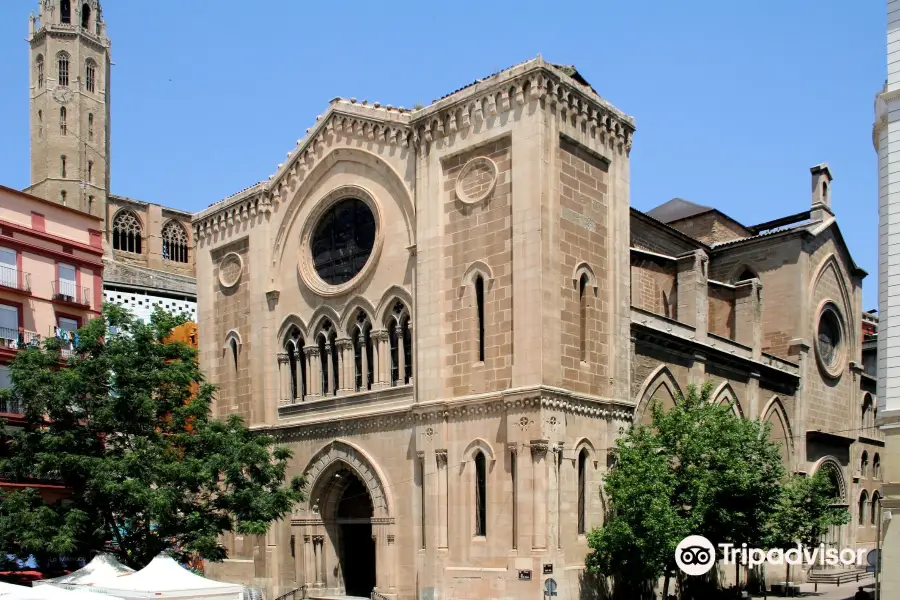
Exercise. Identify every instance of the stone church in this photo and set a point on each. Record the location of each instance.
(148, 258)
(450, 313)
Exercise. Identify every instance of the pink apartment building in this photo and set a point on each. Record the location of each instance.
(51, 272)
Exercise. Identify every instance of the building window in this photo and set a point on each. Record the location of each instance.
(479, 316)
(297, 364)
(62, 120)
(62, 167)
(127, 232)
(63, 69)
(876, 505)
(90, 174)
(9, 325)
(828, 344)
(582, 487)
(175, 242)
(480, 494)
(864, 464)
(361, 338)
(67, 325)
(90, 75)
(65, 12)
(9, 268)
(234, 353)
(85, 16)
(90, 126)
(40, 124)
(39, 63)
(329, 359)
(343, 240)
(62, 197)
(406, 335)
(876, 466)
(583, 308)
(868, 413)
(825, 192)
(66, 287)
(5, 378)
(863, 506)
(513, 456)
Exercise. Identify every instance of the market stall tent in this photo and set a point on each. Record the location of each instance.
(164, 578)
(51, 592)
(102, 568)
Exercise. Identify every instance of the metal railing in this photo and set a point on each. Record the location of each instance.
(378, 596)
(11, 406)
(295, 594)
(15, 279)
(67, 291)
(15, 339)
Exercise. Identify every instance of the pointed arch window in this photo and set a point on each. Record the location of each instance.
(863, 507)
(294, 347)
(175, 242)
(63, 69)
(480, 494)
(90, 126)
(582, 489)
(90, 75)
(65, 12)
(62, 166)
(876, 466)
(40, 124)
(479, 315)
(127, 232)
(868, 413)
(400, 345)
(329, 359)
(583, 315)
(234, 352)
(62, 120)
(90, 171)
(362, 353)
(39, 65)
(85, 16)
(876, 505)
(864, 464)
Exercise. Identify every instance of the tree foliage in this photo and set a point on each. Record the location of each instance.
(126, 426)
(696, 470)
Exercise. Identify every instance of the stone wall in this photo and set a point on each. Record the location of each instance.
(711, 228)
(654, 284)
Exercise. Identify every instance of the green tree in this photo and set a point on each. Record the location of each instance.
(804, 513)
(695, 470)
(125, 424)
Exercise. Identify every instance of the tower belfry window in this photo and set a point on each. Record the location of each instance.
(85, 15)
(90, 126)
(62, 167)
(90, 75)
(127, 232)
(175, 242)
(90, 173)
(40, 124)
(62, 120)
(65, 12)
(40, 71)
(63, 69)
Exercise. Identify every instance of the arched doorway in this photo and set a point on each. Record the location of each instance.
(355, 545)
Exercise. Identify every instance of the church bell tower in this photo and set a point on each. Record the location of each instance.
(69, 104)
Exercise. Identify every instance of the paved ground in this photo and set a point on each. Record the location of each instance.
(832, 592)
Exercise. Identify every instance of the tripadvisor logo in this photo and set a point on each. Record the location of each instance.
(695, 555)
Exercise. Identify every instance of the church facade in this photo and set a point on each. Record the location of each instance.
(450, 313)
(148, 258)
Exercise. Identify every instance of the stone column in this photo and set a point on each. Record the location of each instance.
(361, 342)
(319, 543)
(748, 315)
(514, 503)
(347, 370)
(308, 561)
(313, 373)
(328, 388)
(401, 358)
(693, 292)
(441, 460)
(284, 376)
(381, 349)
(539, 450)
(412, 353)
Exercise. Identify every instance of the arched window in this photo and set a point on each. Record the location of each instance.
(864, 464)
(127, 232)
(62, 197)
(234, 353)
(90, 174)
(480, 494)
(85, 16)
(362, 353)
(394, 342)
(406, 332)
(863, 507)
(90, 126)
(62, 120)
(39, 65)
(175, 242)
(582, 488)
(65, 12)
(400, 340)
(62, 166)
(479, 316)
(868, 419)
(876, 505)
(63, 69)
(876, 466)
(746, 274)
(90, 72)
(583, 310)
(40, 124)
(329, 359)
(297, 365)
(824, 191)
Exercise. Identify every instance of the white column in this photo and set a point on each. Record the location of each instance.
(361, 342)
(314, 373)
(401, 358)
(284, 376)
(412, 354)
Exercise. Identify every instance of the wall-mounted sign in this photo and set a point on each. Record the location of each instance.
(548, 569)
(525, 575)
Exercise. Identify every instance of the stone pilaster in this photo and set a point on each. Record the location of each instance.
(442, 475)
(539, 449)
(347, 366)
(313, 373)
(284, 378)
(748, 327)
(693, 292)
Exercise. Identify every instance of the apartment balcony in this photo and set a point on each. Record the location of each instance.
(66, 292)
(13, 340)
(15, 280)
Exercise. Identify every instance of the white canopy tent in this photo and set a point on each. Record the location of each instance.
(163, 579)
(101, 568)
(10, 588)
(50, 592)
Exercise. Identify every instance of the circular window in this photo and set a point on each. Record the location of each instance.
(829, 340)
(340, 241)
(230, 270)
(343, 241)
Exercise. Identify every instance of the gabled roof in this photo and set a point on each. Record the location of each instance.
(677, 209)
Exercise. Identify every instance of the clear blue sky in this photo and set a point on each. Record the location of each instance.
(733, 101)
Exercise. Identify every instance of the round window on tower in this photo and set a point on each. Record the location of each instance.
(340, 241)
